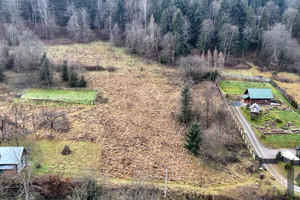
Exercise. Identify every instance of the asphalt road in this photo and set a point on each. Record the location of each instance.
(260, 149)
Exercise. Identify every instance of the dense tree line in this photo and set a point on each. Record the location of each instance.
(167, 29)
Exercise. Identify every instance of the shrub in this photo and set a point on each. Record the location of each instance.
(73, 79)
(278, 155)
(294, 104)
(64, 71)
(196, 75)
(161, 59)
(287, 166)
(82, 82)
(2, 75)
(263, 137)
(88, 189)
(274, 73)
(253, 118)
(278, 120)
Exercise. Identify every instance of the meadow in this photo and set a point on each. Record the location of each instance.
(69, 96)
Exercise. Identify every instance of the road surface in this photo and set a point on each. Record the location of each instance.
(261, 150)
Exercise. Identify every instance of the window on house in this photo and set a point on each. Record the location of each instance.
(264, 101)
(1, 171)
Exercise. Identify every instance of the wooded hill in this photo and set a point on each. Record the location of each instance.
(167, 29)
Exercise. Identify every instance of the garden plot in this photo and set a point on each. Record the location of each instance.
(69, 96)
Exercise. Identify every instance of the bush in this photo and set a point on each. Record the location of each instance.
(196, 75)
(287, 166)
(2, 75)
(278, 155)
(253, 118)
(294, 104)
(64, 71)
(82, 82)
(73, 79)
(88, 189)
(278, 120)
(263, 136)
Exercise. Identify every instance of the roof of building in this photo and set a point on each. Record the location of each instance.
(289, 155)
(245, 96)
(10, 155)
(254, 108)
(259, 93)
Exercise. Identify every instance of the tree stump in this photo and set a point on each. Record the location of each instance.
(66, 151)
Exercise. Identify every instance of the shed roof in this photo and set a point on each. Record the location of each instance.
(255, 108)
(260, 93)
(289, 155)
(10, 155)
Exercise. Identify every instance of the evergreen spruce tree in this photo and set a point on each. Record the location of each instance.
(193, 138)
(164, 23)
(118, 16)
(2, 75)
(186, 112)
(178, 32)
(73, 82)
(264, 22)
(45, 71)
(64, 71)
(82, 82)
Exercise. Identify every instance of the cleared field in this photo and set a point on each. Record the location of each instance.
(69, 96)
(239, 87)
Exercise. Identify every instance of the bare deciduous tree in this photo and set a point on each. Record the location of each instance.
(54, 120)
(115, 36)
(14, 9)
(168, 48)
(274, 42)
(289, 18)
(47, 18)
(228, 36)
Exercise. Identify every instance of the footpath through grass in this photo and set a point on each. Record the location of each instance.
(69, 96)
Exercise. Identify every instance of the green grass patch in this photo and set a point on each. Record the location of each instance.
(276, 141)
(69, 96)
(239, 87)
(84, 158)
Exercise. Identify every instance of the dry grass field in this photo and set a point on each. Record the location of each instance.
(136, 131)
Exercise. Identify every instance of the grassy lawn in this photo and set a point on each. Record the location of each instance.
(85, 156)
(239, 87)
(276, 141)
(70, 96)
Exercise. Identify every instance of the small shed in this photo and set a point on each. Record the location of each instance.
(12, 160)
(289, 155)
(254, 109)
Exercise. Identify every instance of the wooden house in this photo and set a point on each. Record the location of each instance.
(12, 160)
(261, 96)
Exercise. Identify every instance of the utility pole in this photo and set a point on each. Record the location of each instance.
(166, 182)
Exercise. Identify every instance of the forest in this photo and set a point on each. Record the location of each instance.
(159, 29)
